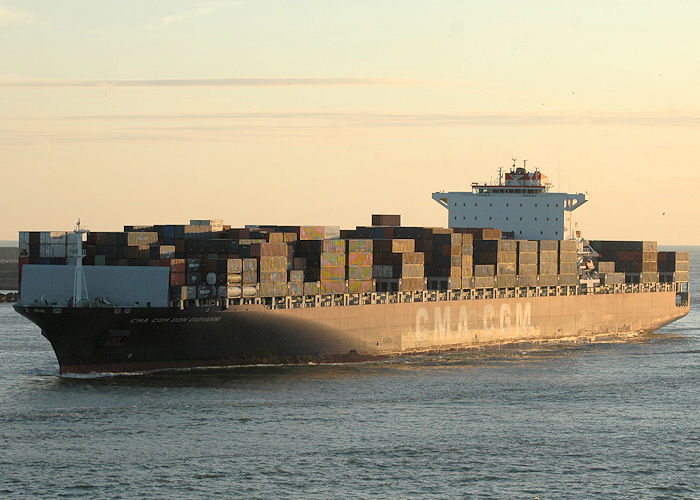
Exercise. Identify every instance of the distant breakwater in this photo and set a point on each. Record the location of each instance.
(9, 297)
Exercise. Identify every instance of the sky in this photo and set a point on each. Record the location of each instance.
(324, 112)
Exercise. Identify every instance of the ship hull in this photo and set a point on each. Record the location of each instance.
(134, 340)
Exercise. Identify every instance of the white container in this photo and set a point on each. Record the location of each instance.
(331, 232)
(52, 237)
(52, 250)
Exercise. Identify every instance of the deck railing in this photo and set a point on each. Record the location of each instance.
(375, 298)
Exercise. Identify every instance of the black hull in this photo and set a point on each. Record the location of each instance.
(97, 340)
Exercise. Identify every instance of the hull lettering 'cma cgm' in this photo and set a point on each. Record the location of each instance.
(509, 268)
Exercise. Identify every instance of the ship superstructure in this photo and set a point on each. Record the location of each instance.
(520, 202)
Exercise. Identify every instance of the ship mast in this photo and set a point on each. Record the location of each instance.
(79, 282)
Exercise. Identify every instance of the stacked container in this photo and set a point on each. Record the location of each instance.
(637, 259)
(527, 263)
(332, 267)
(548, 263)
(412, 271)
(272, 268)
(674, 266)
(484, 276)
(295, 286)
(386, 220)
(360, 264)
(502, 254)
(208, 260)
(568, 262)
(608, 276)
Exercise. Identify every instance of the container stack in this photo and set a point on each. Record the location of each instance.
(308, 233)
(503, 255)
(384, 272)
(295, 286)
(178, 272)
(211, 225)
(481, 233)
(230, 278)
(208, 260)
(568, 262)
(674, 266)
(272, 268)
(249, 272)
(412, 271)
(332, 268)
(113, 249)
(359, 267)
(307, 258)
(484, 276)
(386, 220)
(438, 246)
(193, 274)
(52, 245)
(548, 263)
(162, 252)
(370, 232)
(407, 264)
(637, 259)
(43, 247)
(466, 243)
(527, 263)
(608, 276)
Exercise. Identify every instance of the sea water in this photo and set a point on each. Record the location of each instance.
(581, 421)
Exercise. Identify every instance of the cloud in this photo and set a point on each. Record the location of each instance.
(9, 16)
(216, 127)
(202, 11)
(294, 119)
(212, 82)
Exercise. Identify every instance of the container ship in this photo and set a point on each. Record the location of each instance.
(509, 268)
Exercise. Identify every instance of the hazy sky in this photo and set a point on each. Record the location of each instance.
(323, 112)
